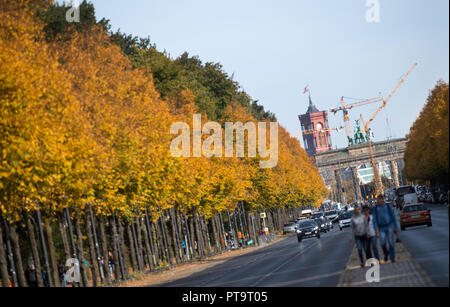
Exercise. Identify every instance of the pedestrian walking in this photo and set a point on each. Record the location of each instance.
(372, 239)
(111, 263)
(359, 232)
(30, 275)
(62, 274)
(385, 224)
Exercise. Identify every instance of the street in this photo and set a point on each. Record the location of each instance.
(429, 245)
(287, 263)
(320, 263)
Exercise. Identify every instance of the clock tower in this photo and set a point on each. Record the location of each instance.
(315, 130)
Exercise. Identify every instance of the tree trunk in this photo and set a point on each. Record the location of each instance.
(134, 264)
(123, 249)
(176, 240)
(156, 249)
(189, 242)
(80, 251)
(149, 251)
(12, 263)
(222, 229)
(149, 235)
(215, 234)
(3, 261)
(105, 251)
(90, 236)
(194, 251)
(141, 253)
(244, 218)
(182, 235)
(18, 257)
(206, 234)
(199, 234)
(163, 232)
(96, 244)
(62, 230)
(118, 266)
(157, 236)
(51, 252)
(136, 247)
(170, 242)
(34, 251)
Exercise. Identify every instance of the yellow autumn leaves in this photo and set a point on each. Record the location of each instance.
(426, 157)
(79, 125)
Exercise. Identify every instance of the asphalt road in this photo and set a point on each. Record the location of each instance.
(429, 245)
(311, 263)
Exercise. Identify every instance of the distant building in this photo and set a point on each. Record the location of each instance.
(315, 130)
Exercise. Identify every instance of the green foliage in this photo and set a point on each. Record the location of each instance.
(212, 87)
(56, 25)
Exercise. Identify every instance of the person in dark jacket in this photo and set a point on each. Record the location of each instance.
(385, 224)
(30, 276)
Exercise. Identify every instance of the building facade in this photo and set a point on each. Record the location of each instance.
(315, 130)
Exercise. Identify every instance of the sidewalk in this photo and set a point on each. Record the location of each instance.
(405, 272)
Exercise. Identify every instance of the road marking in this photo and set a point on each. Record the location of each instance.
(283, 264)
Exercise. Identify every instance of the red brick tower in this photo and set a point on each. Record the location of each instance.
(315, 130)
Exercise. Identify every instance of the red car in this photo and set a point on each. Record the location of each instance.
(414, 215)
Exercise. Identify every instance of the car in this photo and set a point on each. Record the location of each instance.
(414, 215)
(332, 215)
(289, 227)
(345, 219)
(322, 223)
(307, 229)
(317, 215)
(405, 195)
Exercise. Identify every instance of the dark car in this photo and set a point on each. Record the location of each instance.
(307, 229)
(414, 215)
(322, 223)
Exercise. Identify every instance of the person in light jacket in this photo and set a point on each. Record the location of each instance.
(359, 229)
(372, 242)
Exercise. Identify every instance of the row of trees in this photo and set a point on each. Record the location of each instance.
(85, 119)
(112, 249)
(427, 155)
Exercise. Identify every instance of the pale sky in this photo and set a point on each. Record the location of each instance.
(276, 48)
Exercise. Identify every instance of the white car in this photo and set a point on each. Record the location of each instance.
(332, 215)
(345, 219)
(289, 228)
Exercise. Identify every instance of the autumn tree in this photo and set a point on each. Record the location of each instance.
(426, 156)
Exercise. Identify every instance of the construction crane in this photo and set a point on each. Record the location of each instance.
(377, 181)
(385, 101)
(322, 130)
(346, 107)
(376, 175)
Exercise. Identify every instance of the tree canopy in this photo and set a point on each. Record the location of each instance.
(85, 117)
(426, 157)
